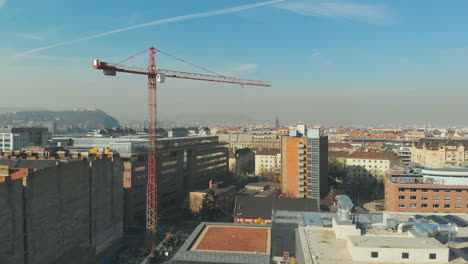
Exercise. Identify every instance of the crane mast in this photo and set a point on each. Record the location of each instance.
(154, 75)
(152, 185)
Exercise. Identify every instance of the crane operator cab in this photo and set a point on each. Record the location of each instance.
(160, 78)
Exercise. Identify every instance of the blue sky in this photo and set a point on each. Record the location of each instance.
(330, 62)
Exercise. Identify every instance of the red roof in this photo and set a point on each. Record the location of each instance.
(374, 155)
(339, 145)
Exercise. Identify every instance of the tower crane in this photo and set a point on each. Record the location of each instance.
(155, 76)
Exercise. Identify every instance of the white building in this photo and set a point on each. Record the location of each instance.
(267, 160)
(13, 141)
(375, 238)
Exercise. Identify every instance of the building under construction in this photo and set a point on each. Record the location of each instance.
(59, 207)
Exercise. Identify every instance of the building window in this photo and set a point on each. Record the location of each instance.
(447, 198)
(447, 190)
(459, 191)
(458, 206)
(458, 198)
(412, 197)
(424, 205)
(435, 206)
(401, 197)
(413, 205)
(424, 198)
(435, 198)
(401, 189)
(142, 168)
(413, 189)
(424, 190)
(374, 254)
(401, 205)
(435, 190)
(446, 205)
(405, 255)
(432, 256)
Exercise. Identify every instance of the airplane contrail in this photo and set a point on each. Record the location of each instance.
(152, 23)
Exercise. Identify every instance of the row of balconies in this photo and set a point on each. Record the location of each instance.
(301, 151)
(301, 170)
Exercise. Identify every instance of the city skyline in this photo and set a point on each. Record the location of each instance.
(399, 65)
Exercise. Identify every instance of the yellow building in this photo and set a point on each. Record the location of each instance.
(440, 152)
(225, 197)
(240, 141)
(267, 161)
(376, 163)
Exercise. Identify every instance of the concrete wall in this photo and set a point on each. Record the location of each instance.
(69, 213)
(416, 255)
(106, 203)
(56, 213)
(343, 231)
(11, 224)
(303, 253)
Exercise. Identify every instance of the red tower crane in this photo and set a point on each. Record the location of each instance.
(154, 76)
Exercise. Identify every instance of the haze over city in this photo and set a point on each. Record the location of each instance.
(329, 62)
(233, 131)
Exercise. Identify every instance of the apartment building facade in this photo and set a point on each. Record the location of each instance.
(375, 163)
(304, 164)
(252, 141)
(440, 152)
(267, 161)
(424, 189)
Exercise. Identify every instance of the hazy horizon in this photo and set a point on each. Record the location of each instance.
(350, 63)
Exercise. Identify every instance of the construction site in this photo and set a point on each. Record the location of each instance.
(68, 205)
(157, 75)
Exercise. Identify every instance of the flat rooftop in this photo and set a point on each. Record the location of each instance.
(322, 243)
(395, 242)
(239, 239)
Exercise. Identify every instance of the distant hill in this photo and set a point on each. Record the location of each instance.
(85, 119)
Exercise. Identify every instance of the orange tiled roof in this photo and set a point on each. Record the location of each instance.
(374, 155)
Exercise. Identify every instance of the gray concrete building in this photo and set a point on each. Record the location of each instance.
(16, 138)
(60, 208)
(10, 140)
(184, 164)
